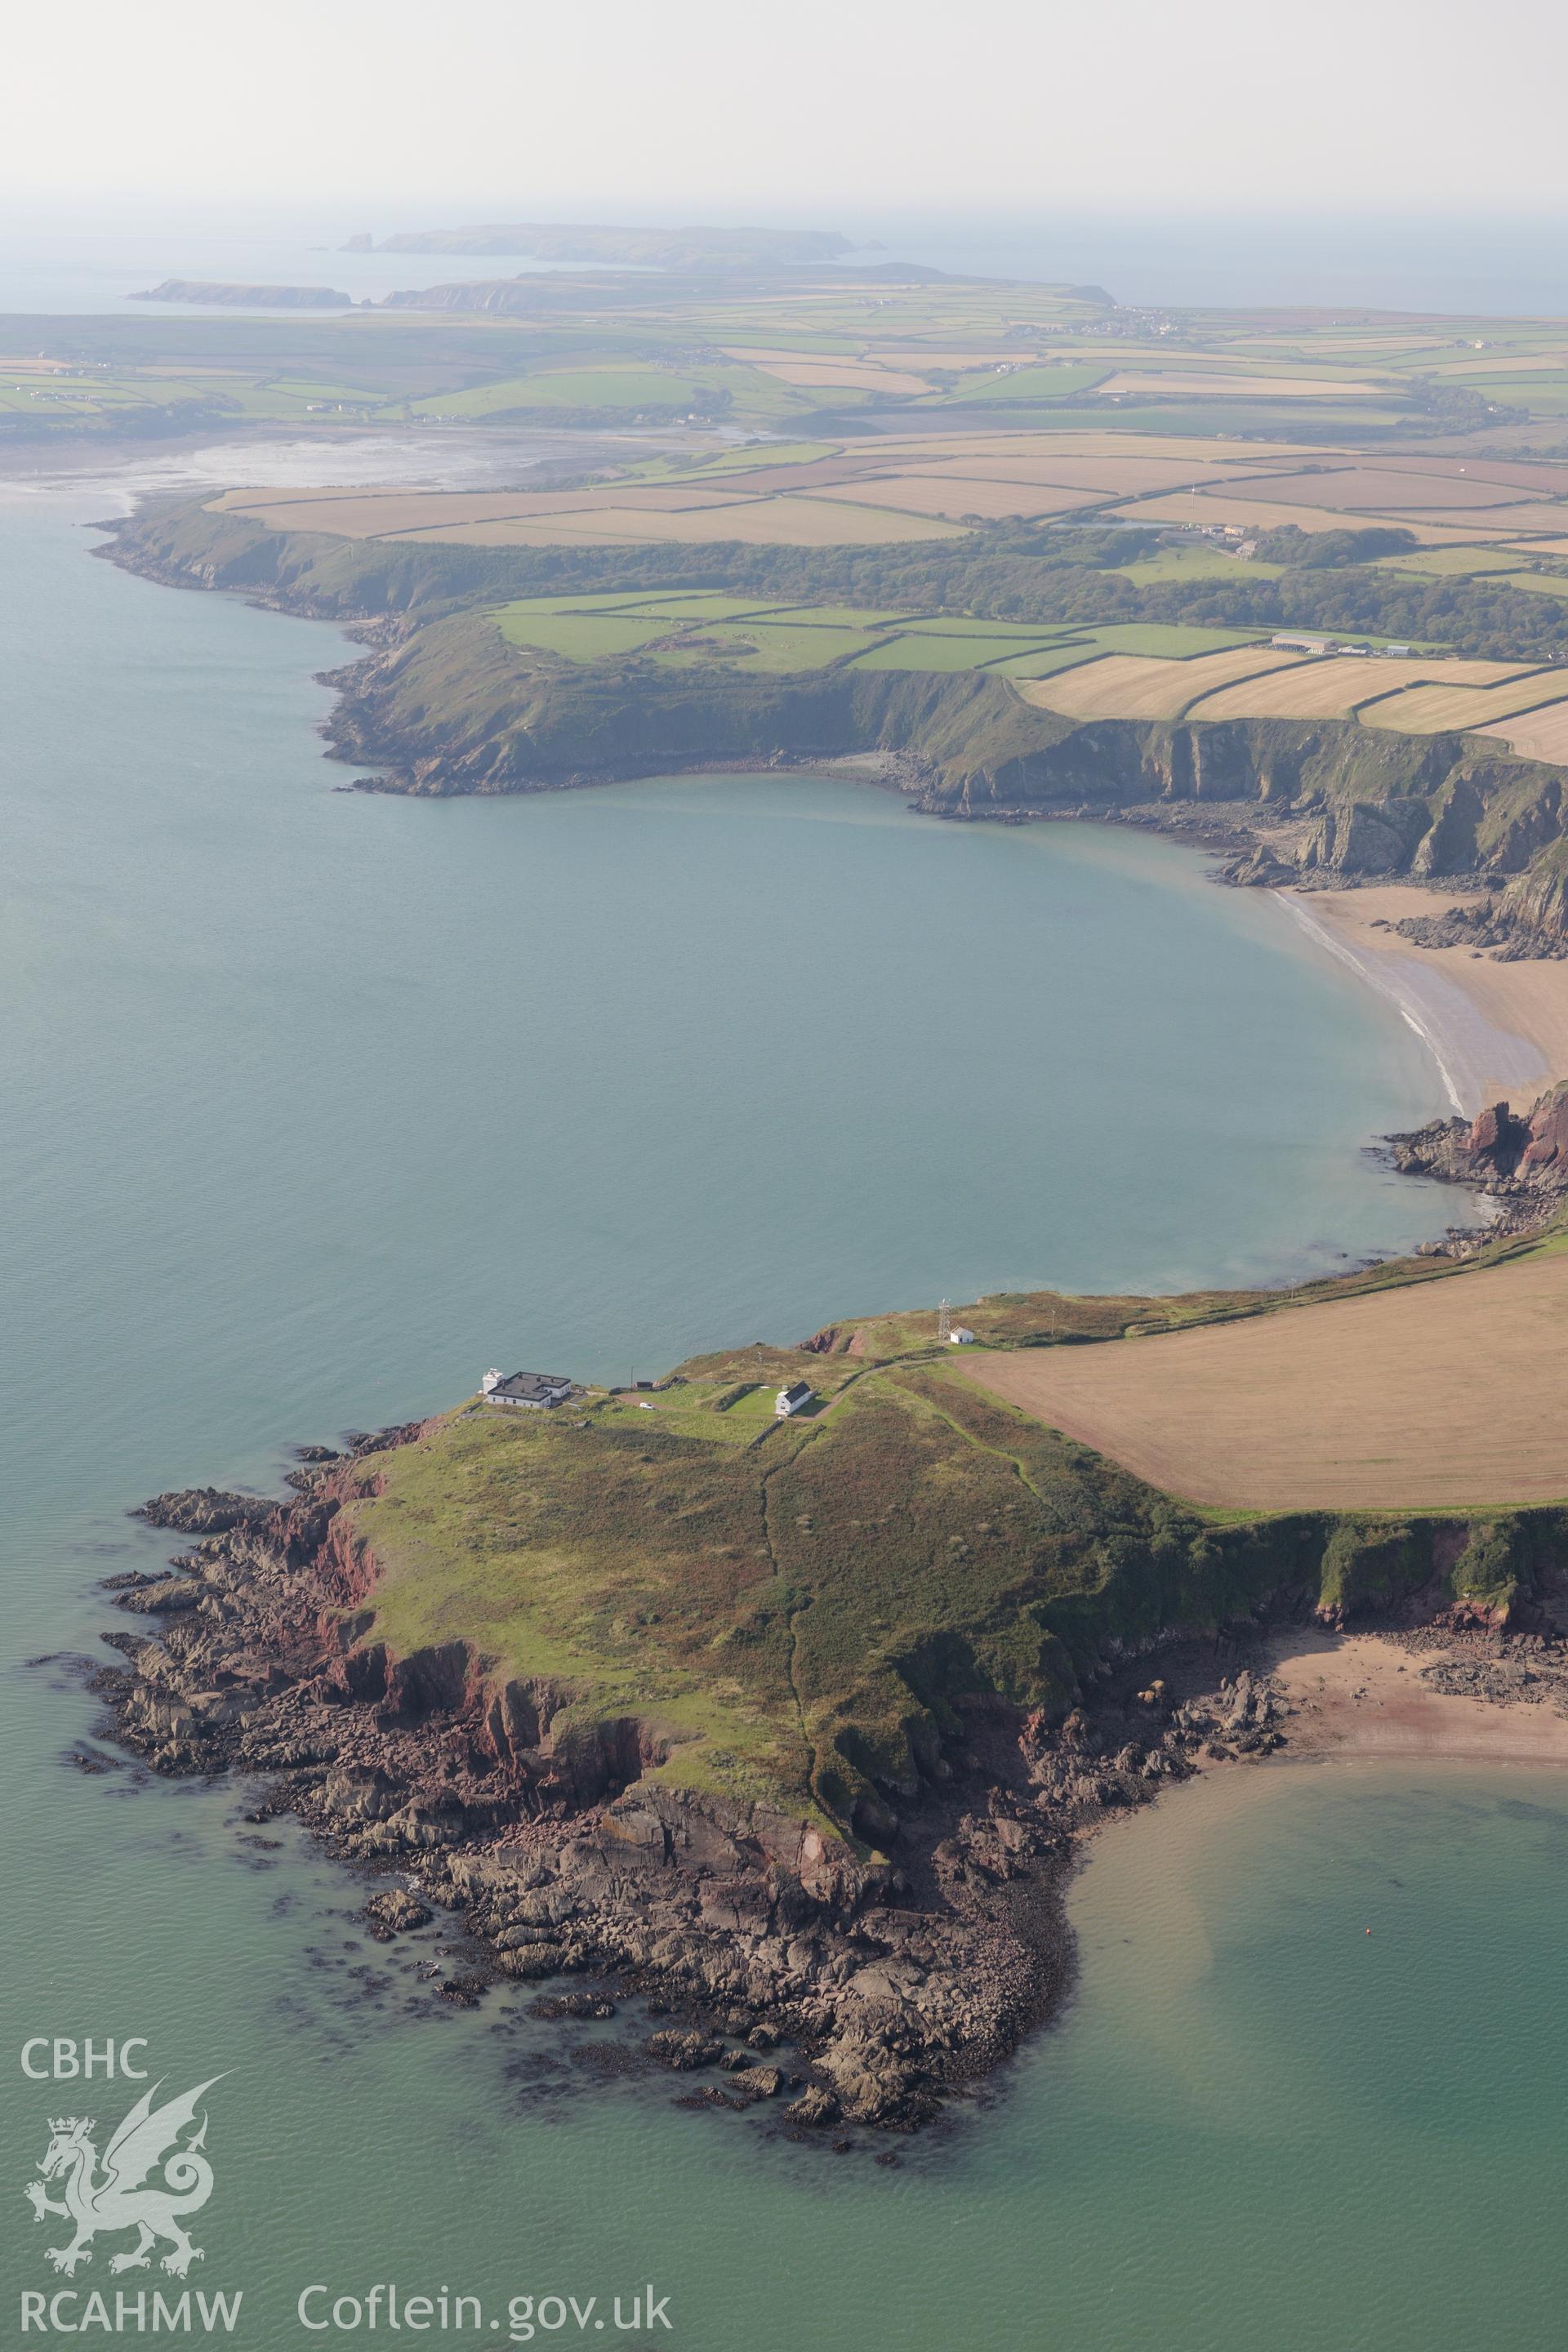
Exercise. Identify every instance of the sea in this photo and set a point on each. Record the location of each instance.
(316, 1102)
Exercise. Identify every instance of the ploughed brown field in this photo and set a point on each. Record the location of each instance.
(1450, 1393)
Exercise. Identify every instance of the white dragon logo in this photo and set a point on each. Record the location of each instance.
(147, 2141)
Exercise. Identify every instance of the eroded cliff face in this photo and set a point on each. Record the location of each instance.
(1533, 907)
(448, 706)
(1331, 802)
(456, 709)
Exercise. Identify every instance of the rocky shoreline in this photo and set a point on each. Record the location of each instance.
(884, 1983)
(1518, 1162)
(830, 1986)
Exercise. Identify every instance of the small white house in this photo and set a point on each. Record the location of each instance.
(536, 1391)
(794, 1399)
(961, 1336)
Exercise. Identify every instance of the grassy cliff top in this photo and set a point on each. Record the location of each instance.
(808, 1614)
(796, 1608)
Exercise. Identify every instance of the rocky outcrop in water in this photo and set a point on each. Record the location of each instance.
(205, 1511)
(1522, 1160)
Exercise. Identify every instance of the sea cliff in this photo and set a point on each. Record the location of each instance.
(445, 704)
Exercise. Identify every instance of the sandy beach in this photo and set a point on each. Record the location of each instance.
(1497, 1029)
(1362, 1695)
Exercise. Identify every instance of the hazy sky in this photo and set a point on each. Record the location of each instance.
(819, 110)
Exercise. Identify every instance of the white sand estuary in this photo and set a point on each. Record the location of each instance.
(1496, 1030)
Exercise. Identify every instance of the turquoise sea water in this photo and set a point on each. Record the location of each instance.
(314, 1105)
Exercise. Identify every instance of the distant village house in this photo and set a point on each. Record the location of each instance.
(961, 1336)
(794, 1398)
(534, 1389)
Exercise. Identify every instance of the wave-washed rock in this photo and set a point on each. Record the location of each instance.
(1520, 1159)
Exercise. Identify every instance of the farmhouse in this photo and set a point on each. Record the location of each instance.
(961, 1336)
(535, 1390)
(793, 1400)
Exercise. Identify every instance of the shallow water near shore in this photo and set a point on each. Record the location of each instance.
(315, 1104)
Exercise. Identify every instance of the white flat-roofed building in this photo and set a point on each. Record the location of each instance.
(536, 1391)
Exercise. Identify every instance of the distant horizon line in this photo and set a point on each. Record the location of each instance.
(417, 212)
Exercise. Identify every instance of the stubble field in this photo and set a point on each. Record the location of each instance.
(1447, 1393)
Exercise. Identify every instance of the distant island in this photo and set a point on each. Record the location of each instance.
(237, 297)
(643, 248)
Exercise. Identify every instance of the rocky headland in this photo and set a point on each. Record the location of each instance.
(826, 1709)
(892, 1978)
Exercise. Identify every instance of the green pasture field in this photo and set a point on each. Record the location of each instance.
(744, 391)
(1457, 562)
(854, 616)
(1067, 653)
(763, 646)
(1202, 561)
(729, 461)
(783, 640)
(581, 636)
(1032, 383)
(1169, 642)
(959, 625)
(1540, 584)
(630, 388)
(933, 651)
(710, 1410)
(302, 388)
(707, 605)
(1173, 641)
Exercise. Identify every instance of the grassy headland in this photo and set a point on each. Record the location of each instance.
(814, 1614)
